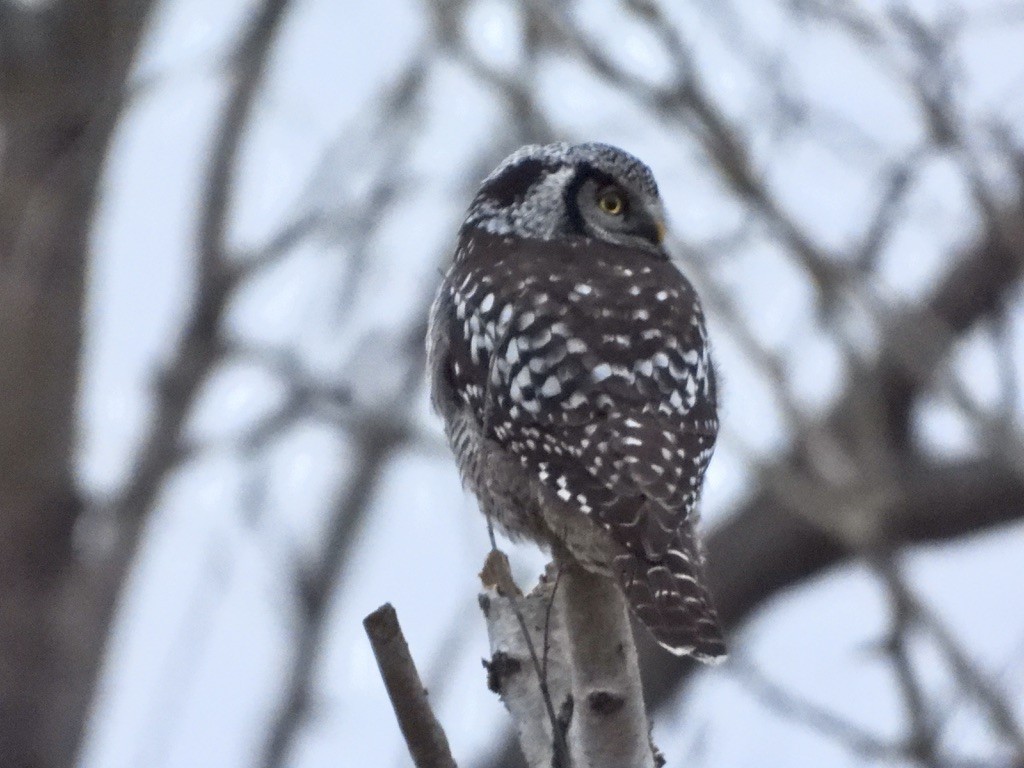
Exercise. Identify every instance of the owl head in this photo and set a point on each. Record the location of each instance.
(571, 191)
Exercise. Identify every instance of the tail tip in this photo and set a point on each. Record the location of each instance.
(711, 652)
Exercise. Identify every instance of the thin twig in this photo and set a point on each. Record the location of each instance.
(547, 623)
(922, 741)
(973, 679)
(786, 704)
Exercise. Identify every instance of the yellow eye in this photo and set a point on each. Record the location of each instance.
(611, 202)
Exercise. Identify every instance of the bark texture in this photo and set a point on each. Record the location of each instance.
(63, 72)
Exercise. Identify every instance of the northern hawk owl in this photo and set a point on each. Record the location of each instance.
(569, 360)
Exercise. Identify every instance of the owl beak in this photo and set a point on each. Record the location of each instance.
(660, 229)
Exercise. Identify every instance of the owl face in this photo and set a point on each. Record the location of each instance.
(565, 192)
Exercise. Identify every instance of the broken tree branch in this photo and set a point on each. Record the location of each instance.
(565, 665)
(512, 672)
(423, 734)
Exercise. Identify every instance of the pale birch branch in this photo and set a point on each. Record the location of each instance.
(512, 673)
(609, 728)
(578, 641)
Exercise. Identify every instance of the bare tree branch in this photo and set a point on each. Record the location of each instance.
(858, 741)
(564, 662)
(375, 443)
(998, 710)
(201, 344)
(922, 739)
(423, 733)
(57, 119)
(609, 726)
(531, 672)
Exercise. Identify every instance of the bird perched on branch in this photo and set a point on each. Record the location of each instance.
(569, 360)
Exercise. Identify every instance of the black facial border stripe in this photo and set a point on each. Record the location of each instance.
(512, 184)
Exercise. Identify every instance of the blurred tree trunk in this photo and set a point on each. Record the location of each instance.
(63, 72)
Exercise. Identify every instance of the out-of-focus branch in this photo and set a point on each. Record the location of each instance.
(886, 215)
(973, 680)
(922, 739)
(860, 742)
(767, 546)
(379, 149)
(63, 73)
(374, 446)
(423, 734)
(517, 88)
(916, 342)
(201, 345)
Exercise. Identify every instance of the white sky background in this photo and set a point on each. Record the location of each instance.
(205, 635)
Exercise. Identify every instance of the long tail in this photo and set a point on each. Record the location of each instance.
(670, 596)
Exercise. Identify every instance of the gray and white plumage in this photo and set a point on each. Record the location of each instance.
(569, 360)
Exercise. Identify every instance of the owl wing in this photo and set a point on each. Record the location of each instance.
(653, 461)
(591, 369)
(602, 386)
(656, 476)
